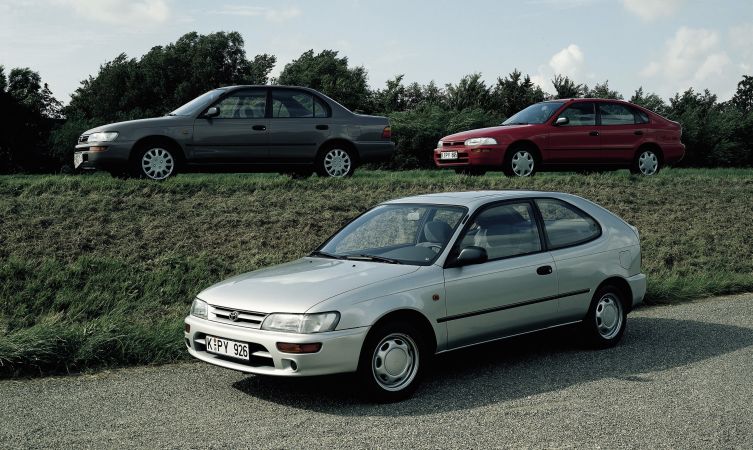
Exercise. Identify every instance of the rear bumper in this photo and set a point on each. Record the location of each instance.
(637, 285)
(492, 155)
(340, 350)
(376, 151)
(673, 153)
(106, 155)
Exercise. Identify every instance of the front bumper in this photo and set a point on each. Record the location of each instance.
(492, 155)
(340, 350)
(637, 285)
(104, 155)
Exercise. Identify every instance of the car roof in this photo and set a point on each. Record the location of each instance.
(472, 199)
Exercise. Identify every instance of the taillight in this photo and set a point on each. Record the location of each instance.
(387, 132)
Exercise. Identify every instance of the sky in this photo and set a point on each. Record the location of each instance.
(665, 46)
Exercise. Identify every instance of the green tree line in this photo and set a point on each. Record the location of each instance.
(39, 133)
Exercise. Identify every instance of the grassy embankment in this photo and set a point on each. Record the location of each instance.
(99, 272)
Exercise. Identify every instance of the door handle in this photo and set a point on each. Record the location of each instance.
(544, 270)
(259, 127)
(638, 132)
(593, 133)
(322, 127)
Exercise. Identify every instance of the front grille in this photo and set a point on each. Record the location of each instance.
(248, 319)
(452, 143)
(83, 138)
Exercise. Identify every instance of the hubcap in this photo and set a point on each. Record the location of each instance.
(157, 163)
(522, 163)
(648, 163)
(337, 163)
(395, 362)
(609, 316)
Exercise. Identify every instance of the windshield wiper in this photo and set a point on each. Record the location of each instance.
(364, 257)
(324, 254)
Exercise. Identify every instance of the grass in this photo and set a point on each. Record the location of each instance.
(99, 272)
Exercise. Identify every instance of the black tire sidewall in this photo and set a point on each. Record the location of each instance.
(591, 332)
(365, 375)
(322, 172)
(507, 164)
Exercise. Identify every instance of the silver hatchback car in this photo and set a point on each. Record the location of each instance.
(423, 275)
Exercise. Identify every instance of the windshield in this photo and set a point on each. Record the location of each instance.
(398, 234)
(537, 113)
(197, 104)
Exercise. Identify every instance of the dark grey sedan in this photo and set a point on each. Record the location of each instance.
(249, 128)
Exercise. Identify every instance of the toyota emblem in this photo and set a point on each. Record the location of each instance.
(233, 316)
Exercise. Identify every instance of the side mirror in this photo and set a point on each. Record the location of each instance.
(469, 255)
(212, 112)
(562, 121)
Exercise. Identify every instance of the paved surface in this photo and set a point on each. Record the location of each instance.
(682, 377)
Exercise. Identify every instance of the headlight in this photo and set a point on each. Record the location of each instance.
(103, 136)
(439, 144)
(301, 323)
(199, 308)
(473, 142)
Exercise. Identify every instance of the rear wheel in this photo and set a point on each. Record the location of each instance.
(336, 161)
(520, 162)
(606, 318)
(156, 162)
(392, 361)
(646, 162)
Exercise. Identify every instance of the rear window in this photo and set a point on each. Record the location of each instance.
(565, 225)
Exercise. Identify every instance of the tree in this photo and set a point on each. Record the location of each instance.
(515, 92)
(743, 98)
(470, 92)
(392, 98)
(567, 88)
(3, 80)
(649, 101)
(331, 75)
(25, 85)
(602, 91)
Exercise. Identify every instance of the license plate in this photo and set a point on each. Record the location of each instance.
(219, 346)
(448, 155)
(78, 159)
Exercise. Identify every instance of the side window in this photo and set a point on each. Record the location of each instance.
(616, 114)
(320, 108)
(641, 117)
(565, 224)
(292, 104)
(504, 231)
(579, 114)
(243, 105)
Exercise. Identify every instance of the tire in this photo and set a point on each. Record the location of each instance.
(392, 350)
(520, 161)
(471, 171)
(647, 162)
(336, 161)
(156, 161)
(606, 319)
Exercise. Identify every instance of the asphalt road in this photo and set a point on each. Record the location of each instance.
(682, 377)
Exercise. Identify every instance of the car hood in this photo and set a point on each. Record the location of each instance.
(299, 285)
(157, 122)
(483, 132)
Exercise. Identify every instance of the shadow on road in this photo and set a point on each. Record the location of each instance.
(516, 368)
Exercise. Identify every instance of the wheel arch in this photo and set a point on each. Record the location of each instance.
(527, 143)
(624, 287)
(650, 146)
(159, 139)
(349, 145)
(411, 316)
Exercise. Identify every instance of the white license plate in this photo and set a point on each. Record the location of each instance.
(219, 346)
(78, 159)
(448, 155)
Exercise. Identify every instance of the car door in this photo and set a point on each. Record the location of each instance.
(238, 134)
(577, 141)
(299, 124)
(576, 244)
(620, 131)
(514, 291)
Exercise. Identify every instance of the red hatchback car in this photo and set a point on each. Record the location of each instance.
(575, 134)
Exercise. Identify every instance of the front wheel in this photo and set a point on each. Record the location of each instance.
(156, 163)
(336, 162)
(646, 163)
(520, 162)
(606, 318)
(392, 361)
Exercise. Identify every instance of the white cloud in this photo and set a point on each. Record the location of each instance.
(567, 61)
(268, 13)
(120, 11)
(692, 54)
(649, 10)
